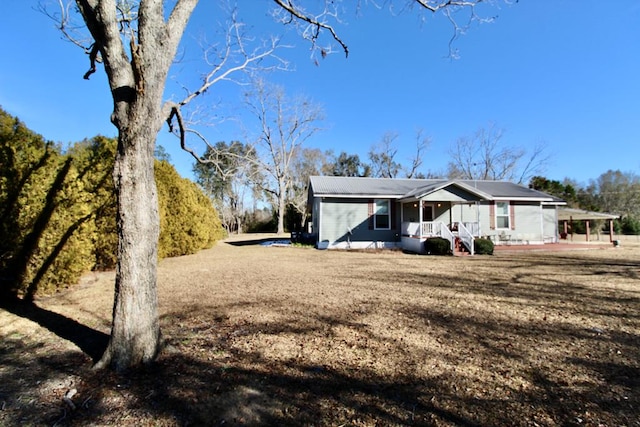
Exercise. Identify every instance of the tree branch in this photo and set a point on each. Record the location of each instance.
(298, 13)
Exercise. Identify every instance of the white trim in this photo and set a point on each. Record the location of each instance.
(359, 245)
(359, 196)
(508, 215)
(375, 214)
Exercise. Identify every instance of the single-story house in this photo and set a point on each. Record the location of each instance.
(351, 212)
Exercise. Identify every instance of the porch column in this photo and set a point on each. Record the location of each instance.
(420, 202)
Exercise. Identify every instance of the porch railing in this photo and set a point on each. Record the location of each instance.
(466, 237)
(447, 234)
(472, 227)
(429, 229)
(423, 229)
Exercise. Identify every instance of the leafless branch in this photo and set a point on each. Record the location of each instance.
(236, 56)
(536, 162)
(484, 156)
(422, 143)
(316, 24)
(63, 17)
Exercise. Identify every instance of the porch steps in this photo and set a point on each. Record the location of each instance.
(459, 248)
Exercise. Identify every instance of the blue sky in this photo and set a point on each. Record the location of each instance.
(555, 71)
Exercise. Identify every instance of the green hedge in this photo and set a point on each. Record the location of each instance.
(188, 220)
(58, 209)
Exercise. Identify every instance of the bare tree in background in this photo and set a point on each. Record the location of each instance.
(484, 156)
(383, 156)
(225, 175)
(306, 162)
(284, 126)
(422, 143)
(136, 42)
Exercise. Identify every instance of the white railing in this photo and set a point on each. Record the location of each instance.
(428, 229)
(410, 228)
(472, 227)
(466, 237)
(445, 233)
(423, 229)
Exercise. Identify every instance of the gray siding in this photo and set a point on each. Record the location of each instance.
(465, 212)
(550, 223)
(528, 218)
(338, 216)
(528, 221)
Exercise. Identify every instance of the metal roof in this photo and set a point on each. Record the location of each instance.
(363, 187)
(415, 188)
(566, 214)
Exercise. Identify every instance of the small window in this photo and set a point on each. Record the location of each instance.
(502, 215)
(382, 218)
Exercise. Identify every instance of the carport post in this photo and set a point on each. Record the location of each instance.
(571, 222)
(611, 231)
(587, 222)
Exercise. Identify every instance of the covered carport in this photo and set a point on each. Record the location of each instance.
(569, 215)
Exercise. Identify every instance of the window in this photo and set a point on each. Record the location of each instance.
(502, 215)
(382, 220)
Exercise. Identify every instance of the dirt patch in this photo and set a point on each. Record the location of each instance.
(261, 335)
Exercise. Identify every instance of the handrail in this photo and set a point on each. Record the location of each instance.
(466, 237)
(472, 227)
(444, 232)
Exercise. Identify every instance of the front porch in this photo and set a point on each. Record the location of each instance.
(458, 234)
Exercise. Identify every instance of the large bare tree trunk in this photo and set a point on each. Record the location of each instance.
(282, 203)
(137, 76)
(135, 333)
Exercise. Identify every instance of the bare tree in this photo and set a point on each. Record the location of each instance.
(136, 42)
(305, 163)
(225, 175)
(422, 143)
(285, 124)
(383, 156)
(484, 156)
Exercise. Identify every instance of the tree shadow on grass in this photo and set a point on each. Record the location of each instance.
(497, 370)
(91, 341)
(207, 376)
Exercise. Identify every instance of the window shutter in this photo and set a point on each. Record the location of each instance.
(371, 207)
(492, 215)
(512, 216)
(392, 216)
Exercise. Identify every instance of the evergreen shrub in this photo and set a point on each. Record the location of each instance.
(437, 246)
(58, 211)
(483, 246)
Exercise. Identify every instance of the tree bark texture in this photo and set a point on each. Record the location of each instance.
(135, 333)
(137, 74)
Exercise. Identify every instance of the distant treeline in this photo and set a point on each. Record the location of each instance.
(58, 211)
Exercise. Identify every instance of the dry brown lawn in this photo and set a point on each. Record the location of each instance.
(295, 336)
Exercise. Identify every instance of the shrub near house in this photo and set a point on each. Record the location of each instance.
(437, 246)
